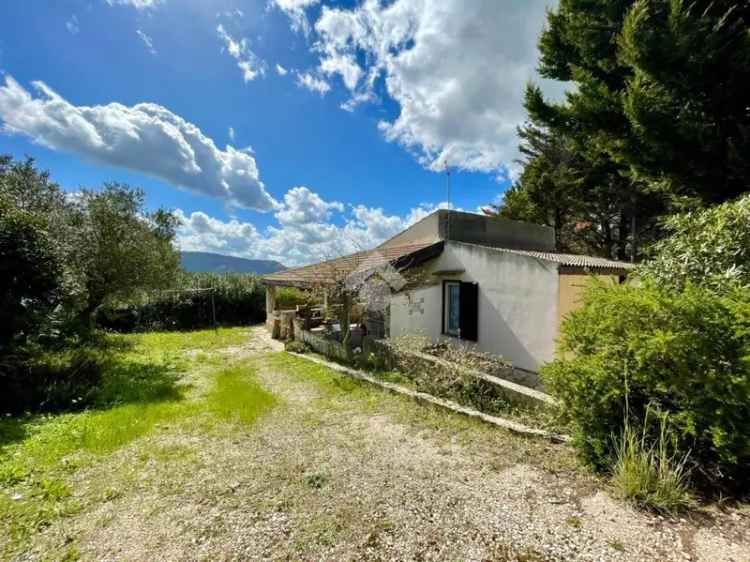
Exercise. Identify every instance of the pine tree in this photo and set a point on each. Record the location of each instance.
(688, 99)
(658, 119)
(661, 88)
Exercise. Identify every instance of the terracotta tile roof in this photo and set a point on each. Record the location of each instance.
(330, 271)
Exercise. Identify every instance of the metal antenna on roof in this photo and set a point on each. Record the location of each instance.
(448, 184)
(448, 190)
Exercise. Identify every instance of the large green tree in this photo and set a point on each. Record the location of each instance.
(661, 88)
(125, 249)
(76, 250)
(686, 95)
(30, 274)
(657, 119)
(585, 196)
(32, 280)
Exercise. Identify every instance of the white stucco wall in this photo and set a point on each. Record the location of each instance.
(518, 301)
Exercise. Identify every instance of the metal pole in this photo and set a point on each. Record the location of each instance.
(213, 309)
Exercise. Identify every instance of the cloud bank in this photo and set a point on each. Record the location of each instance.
(456, 69)
(309, 229)
(146, 137)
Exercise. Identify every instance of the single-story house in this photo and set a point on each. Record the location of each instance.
(490, 282)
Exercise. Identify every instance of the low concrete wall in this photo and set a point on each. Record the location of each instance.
(325, 346)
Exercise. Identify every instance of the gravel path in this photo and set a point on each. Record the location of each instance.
(341, 471)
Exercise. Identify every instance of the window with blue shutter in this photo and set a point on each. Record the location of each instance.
(460, 310)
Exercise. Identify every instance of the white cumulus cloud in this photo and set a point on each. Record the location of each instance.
(295, 9)
(456, 69)
(146, 137)
(281, 71)
(247, 61)
(309, 229)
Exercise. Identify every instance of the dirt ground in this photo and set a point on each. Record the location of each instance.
(341, 471)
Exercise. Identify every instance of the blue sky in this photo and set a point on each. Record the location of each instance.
(282, 129)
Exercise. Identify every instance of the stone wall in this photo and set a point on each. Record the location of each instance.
(325, 346)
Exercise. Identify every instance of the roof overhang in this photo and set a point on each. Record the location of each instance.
(361, 265)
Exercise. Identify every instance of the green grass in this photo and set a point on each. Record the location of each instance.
(326, 379)
(148, 384)
(647, 473)
(236, 397)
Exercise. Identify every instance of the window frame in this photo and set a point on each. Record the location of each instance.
(446, 302)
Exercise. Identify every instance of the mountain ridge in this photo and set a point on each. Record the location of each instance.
(209, 262)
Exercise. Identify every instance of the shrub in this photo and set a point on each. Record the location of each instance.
(238, 299)
(710, 247)
(34, 379)
(289, 297)
(686, 353)
(295, 346)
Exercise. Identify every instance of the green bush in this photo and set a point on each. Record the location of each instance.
(289, 297)
(710, 247)
(295, 347)
(237, 299)
(34, 379)
(686, 353)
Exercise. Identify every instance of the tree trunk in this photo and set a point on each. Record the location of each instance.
(87, 316)
(345, 319)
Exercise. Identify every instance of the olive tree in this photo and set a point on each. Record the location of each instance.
(123, 249)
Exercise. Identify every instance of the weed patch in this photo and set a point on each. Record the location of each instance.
(649, 474)
(237, 397)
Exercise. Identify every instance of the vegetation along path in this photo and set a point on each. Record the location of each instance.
(218, 446)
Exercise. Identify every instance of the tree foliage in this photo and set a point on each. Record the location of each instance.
(709, 248)
(686, 94)
(657, 120)
(31, 257)
(74, 252)
(125, 250)
(582, 195)
(29, 273)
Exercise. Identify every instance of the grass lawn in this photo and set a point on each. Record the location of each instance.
(215, 445)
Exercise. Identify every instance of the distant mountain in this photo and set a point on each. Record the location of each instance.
(216, 263)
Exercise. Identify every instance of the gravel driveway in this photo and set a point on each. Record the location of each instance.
(341, 471)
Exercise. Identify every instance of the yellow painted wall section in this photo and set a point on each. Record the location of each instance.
(570, 291)
(571, 287)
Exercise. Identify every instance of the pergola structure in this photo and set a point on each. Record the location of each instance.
(332, 275)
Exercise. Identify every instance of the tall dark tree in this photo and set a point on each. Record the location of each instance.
(593, 206)
(687, 99)
(657, 120)
(661, 89)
